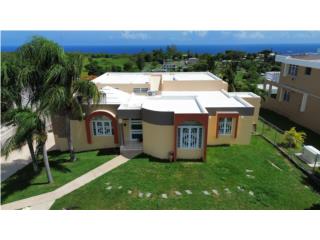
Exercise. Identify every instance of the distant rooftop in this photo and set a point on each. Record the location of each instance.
(144, 77)
(305, 60)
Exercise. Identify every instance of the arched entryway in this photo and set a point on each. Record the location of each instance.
(101, 122)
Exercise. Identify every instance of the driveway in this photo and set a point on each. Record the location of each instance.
(20, 158)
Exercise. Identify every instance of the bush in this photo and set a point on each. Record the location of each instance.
(292, 138)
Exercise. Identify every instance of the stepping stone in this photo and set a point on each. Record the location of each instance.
(120, 187)
(188, 192)
(164, 195)
(306, 186)
(215, 192)
(251, 193)
(240, 188)
(109, 188)
(250, 176)
(178, 193)
(148, 194)
(249, 170)
(140, 194)
(129, 191)
(227, 190)
(107, 183)
(206, 193)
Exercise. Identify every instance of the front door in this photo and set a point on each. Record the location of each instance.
(136, 130)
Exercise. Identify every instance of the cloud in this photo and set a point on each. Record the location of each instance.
(201, 33)
(249, 35)
(134, 35)
(187, 34)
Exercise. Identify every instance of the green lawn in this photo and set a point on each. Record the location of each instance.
(25, 183)
(225, 168)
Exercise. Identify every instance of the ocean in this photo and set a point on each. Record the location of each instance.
(211, 49)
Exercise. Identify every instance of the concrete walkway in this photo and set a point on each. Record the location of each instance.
(45, 201)
(18, 159)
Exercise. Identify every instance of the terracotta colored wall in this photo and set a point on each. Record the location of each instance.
(157, 139)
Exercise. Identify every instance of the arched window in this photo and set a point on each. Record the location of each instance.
(101, 126)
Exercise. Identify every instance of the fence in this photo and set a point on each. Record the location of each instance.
(275, 136)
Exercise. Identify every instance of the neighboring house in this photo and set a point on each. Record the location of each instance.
(169, 66)
(163, 114)
(192, 61)
(298, 89)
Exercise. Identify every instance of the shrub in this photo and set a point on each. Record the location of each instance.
(293, 138)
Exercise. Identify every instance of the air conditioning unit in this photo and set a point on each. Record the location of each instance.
(151, 93)
(310, 155)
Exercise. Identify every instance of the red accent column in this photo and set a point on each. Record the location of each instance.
(106, 114)
(202, 119)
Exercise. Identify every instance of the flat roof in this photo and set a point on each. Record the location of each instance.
(208, 99)
(145, 77)
(307, 60)
(176, 101)
(173, 104)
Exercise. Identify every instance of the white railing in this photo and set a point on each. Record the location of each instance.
(272, 76)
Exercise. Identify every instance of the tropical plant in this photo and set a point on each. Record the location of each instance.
(29, 127)
(11, 86)
(293, 139)
(35, 60)
(68, 93)
(26, 125)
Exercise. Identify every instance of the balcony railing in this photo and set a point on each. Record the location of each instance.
(272, 76)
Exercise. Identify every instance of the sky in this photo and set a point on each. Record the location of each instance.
(98, 38)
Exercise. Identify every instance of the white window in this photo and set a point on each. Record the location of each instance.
(140, 90)
(225, 126)
(136, 129)
(189, 137)
(101, 126)
(293, 70)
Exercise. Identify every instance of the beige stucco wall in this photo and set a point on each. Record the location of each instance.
(310, 118)
(158, 140)
(78, 132)
(243, 135)
(256, 102)
(194, 85)
(189, 153)
(79, 137)
(303, 82)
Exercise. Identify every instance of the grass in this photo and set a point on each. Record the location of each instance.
(25, 183)
(225, 168)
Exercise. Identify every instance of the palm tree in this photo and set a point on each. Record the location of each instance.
(35, 59)
(24, 120)
(67, 93)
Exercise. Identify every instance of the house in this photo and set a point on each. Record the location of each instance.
(192, 61)
(164, 114)
(298, 89)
